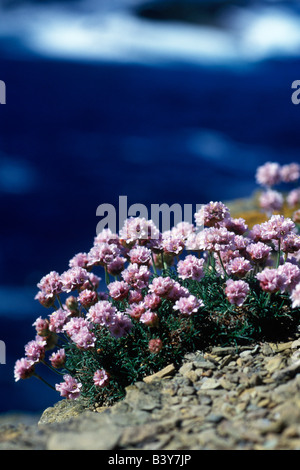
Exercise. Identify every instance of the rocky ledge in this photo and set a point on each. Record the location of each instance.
(244, 398)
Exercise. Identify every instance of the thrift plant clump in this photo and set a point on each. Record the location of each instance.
(166, 294)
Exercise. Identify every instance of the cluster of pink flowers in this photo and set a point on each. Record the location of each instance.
(134, 264)
(272, 174)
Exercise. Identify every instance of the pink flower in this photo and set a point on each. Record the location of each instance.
(50, 285)
(135, 296)
(291, 243)
(79, 260)
(103, 254)
(140, 255)
(79, 330)
(191, 268)
(216, 239)
(277, 227)
(172, 245)
(271, 200)
(102, 313)
(74, 278)
(116, 266)
(138, 228)
(118, 290)
(58, 319)
(238, 225)
(293, 198)
(121, 325)
(152, 301)
(259, 252)
(101, 378)
(295, 296)
(188, 305)
(87, 298)
(183, 230)
(58, 358)
(35, 350)
(161, 286)
(41, 326)
(137, 276)
(296, 217)
(272, 280)
(238, 266)
(136, 310)
(211, 214)
(155, 346)
(24, 368)
(236, 291)
(70, 388)
(292, 274)
(177, 291)
(149, 318)
(268, 174)
(106, 236)
(290, 173)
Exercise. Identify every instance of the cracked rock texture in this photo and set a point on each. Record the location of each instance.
(227, 398)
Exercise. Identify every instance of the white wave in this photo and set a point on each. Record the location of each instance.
(115, 34)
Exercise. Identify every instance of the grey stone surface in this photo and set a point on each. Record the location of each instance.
(228, 398)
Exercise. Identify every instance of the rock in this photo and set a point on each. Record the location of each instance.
(167, 371)
(62, 411)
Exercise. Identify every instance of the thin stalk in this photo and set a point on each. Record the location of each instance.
(43, 380)
(279, 253)
(221, 262)
(153, 264)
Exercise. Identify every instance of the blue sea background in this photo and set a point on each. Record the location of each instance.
(102, 102)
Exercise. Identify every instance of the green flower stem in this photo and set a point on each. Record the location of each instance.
(279, 253)
(107, 281)
(43, 380)
(220, 259)
(153, 264)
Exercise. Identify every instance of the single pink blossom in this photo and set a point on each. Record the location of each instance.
(50, 285)
(292, 274)
(137, 276)
(236, 291)
(70, 388)
(295, 296)
(258, 252)
(152, 301)
(268, 174)
(293, 198)
(24, 368)
(74, 278)
(121, 325)
(272, 280)
(58, 358)
(271, 200)
(290, 173)
(155, 345)
(140, 255)
(102, 313)
(35, 350)
(239, 266)
(118, 290)
(58, 319)
(87, 298)
(79, 260)
(211, 214)
(161, 286)
(136, 310)
(188, 305)
(149, 318)
(191, 268)
(41, 326)
(101, 378)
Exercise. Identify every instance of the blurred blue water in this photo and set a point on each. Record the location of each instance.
(75, 134)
